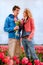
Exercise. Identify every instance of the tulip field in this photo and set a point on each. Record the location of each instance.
(22, 60)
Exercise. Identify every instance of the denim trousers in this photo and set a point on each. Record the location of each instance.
(29, 48)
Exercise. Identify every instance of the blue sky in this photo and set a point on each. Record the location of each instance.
(36, 7)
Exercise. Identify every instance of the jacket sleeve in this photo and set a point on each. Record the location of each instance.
(32, 28)
(20, 27)
(7, 28)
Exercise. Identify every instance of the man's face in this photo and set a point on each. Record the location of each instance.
(16, 12)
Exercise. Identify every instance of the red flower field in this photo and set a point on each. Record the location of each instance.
(5, 59)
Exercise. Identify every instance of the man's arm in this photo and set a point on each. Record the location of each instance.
(7, 28)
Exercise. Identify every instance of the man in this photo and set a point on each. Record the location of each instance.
(10, 27)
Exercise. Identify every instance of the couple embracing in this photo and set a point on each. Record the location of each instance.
(14, 29)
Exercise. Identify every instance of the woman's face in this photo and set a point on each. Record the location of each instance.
(24, 14)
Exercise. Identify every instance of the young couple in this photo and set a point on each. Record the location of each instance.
(27, 27)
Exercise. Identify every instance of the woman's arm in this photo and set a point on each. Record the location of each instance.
(32, 29)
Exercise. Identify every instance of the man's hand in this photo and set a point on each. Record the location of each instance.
(16, 28)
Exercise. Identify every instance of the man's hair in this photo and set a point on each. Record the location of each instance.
(14, 7)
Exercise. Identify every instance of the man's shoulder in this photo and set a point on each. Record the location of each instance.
(10, 17)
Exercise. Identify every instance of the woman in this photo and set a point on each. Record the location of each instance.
(28, 34)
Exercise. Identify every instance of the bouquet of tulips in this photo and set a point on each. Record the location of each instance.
(17, 22)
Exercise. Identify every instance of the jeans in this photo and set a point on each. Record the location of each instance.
(29, 48)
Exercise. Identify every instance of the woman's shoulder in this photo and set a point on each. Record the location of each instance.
(31, 19)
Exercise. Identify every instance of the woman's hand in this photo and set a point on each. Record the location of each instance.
(29, 39)
(16, 28)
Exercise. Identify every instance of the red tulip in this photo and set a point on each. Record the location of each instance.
(17, 61)
(6, 59)
(36, 62)
(30, 63)
(1, 55)
(24, 60)
(41, 63)
(14, 58)
(11, 62)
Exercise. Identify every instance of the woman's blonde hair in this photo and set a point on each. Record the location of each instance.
(28, 12)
